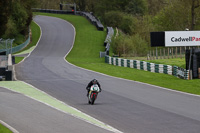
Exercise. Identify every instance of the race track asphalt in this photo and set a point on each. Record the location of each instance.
(129, 106)
(26, 115)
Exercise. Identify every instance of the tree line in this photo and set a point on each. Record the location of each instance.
(15, 17)
(134, 18)
(137, 18)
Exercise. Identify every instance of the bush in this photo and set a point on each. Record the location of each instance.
(113, 18)
(125, 22)
(122, 45)
(11, 30)
(125, 45)
(128, 24)
(137, 7)
(140, 46)
(173, 17)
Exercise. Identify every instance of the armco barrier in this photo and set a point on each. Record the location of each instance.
(53, 11)
(93, 20)
(110, 33)
(151, 67)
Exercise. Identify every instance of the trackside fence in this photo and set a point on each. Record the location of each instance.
(151, 67)
(110, 34)
(92, 19)
(17, 48)
(52, 11)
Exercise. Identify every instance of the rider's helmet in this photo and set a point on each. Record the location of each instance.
(94, 81)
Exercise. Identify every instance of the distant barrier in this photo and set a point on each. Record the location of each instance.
(93, 20)
(52, 11)
(151, 67)
(110, 34)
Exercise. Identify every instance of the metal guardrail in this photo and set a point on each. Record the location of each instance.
(110, 34)
(53, 11)
(93, 20)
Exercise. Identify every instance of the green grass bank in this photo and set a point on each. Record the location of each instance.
(4, 129)
(35, 35)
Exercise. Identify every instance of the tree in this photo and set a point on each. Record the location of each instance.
(195, 4)
(81, 4)
(137, 7)
(4, 13)
(154, 6)
(16, 16)
(51, 4)
(175, 16)
(122, 45)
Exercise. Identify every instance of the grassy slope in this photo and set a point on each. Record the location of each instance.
(180, 62)
(3, 129)
(35, 35)
(34, 39)
(85, 54)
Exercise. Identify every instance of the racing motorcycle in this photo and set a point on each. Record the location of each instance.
(94, 90)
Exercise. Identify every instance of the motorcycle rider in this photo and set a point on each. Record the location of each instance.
(92, 82)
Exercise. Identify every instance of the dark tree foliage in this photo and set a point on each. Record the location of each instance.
(4, 13)
(137, 7)
(15, 17)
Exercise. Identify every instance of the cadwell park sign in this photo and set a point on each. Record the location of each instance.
(182, 38)
(175, 38)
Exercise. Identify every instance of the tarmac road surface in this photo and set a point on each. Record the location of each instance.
(129, 106)
(30, 116)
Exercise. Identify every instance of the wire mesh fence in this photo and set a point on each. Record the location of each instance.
(6, 45)
(167, 52)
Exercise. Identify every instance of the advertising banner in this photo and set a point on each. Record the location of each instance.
(182, 38)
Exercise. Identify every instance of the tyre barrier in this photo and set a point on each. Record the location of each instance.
(93, 20)
(52, 11)
(147, 66)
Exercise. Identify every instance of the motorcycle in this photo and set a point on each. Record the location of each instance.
(94, 90)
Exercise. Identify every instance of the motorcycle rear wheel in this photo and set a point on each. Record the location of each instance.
(92, 102)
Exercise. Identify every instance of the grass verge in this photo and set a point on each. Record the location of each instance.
(4, 129)
(85, 53)
(35, 29)
(18, 59)
(180, 62)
